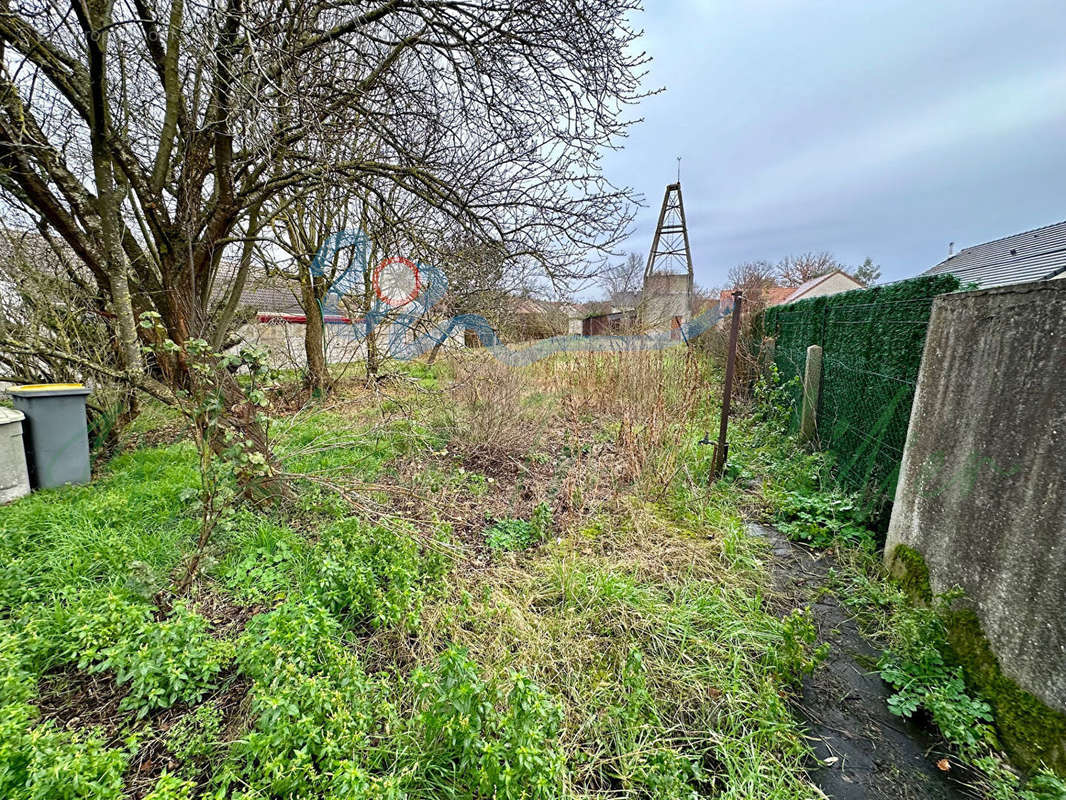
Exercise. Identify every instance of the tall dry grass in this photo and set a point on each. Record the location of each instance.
(650, 398)
(491, 412)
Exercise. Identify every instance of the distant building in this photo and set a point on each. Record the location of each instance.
(833, 282)
(622, 320)
(537, 319)
(274, 320)
(666, 302)
(1036, 255)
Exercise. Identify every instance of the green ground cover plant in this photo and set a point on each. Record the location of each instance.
(798, 491)
(358, 642)
(511, 534)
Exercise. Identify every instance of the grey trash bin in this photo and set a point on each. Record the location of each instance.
(57, 434)
(14, 479)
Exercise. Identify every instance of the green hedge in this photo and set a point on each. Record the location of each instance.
(872, 342)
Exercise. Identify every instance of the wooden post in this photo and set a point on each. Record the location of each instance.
(721, 448)
(767, 353)
(812, 387)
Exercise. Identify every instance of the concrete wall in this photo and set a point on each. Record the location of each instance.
(666, 297)
(982, 489)
(284, 341)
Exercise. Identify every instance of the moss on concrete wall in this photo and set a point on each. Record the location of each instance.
(908, 568)
(1031, 733)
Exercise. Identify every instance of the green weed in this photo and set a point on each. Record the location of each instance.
(915, 667)
(165, 662)
(170, 787)
(194, 739)
(263, 560)
(372, 575)
(511, 534)
(467, 741)
(821, 519)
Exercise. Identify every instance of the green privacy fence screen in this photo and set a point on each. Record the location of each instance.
(872, 342)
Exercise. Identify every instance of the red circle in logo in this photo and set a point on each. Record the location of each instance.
(399, 289)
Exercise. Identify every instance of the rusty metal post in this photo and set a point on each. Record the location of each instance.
(721, 449)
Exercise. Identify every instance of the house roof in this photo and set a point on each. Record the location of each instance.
(527, 305)
(1034, 255)
(265, 294)
(805, 287)
(271, 298)
(774, 296)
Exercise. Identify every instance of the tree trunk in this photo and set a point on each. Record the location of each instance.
(434, 351)
(373, 357)
(239, 280)
(317, 378)
(95, 20)
(128, 341)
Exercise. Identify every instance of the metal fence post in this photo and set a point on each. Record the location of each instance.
(721, 449)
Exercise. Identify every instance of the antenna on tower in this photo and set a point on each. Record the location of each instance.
(679, 170)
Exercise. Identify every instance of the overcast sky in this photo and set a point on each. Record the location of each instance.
(882, 128)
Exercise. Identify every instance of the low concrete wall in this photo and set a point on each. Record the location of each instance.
(284, 343)
(982, 488)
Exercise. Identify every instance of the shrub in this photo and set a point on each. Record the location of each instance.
(371, 575)
(796, 656)
(167, 662)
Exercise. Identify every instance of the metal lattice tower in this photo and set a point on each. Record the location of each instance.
(670, 254)
(668, 275)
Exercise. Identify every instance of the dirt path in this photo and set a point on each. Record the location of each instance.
(866, 752)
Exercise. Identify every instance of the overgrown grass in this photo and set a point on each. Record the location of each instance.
(327, 652)
(127, 522)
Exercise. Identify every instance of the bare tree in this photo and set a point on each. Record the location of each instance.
(303, 219)
(49, 304)
(624, 281)
(797, 270)
(753, 275)
(147, 135)
(704, 298)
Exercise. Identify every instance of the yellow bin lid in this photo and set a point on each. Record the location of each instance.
(45, 389)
